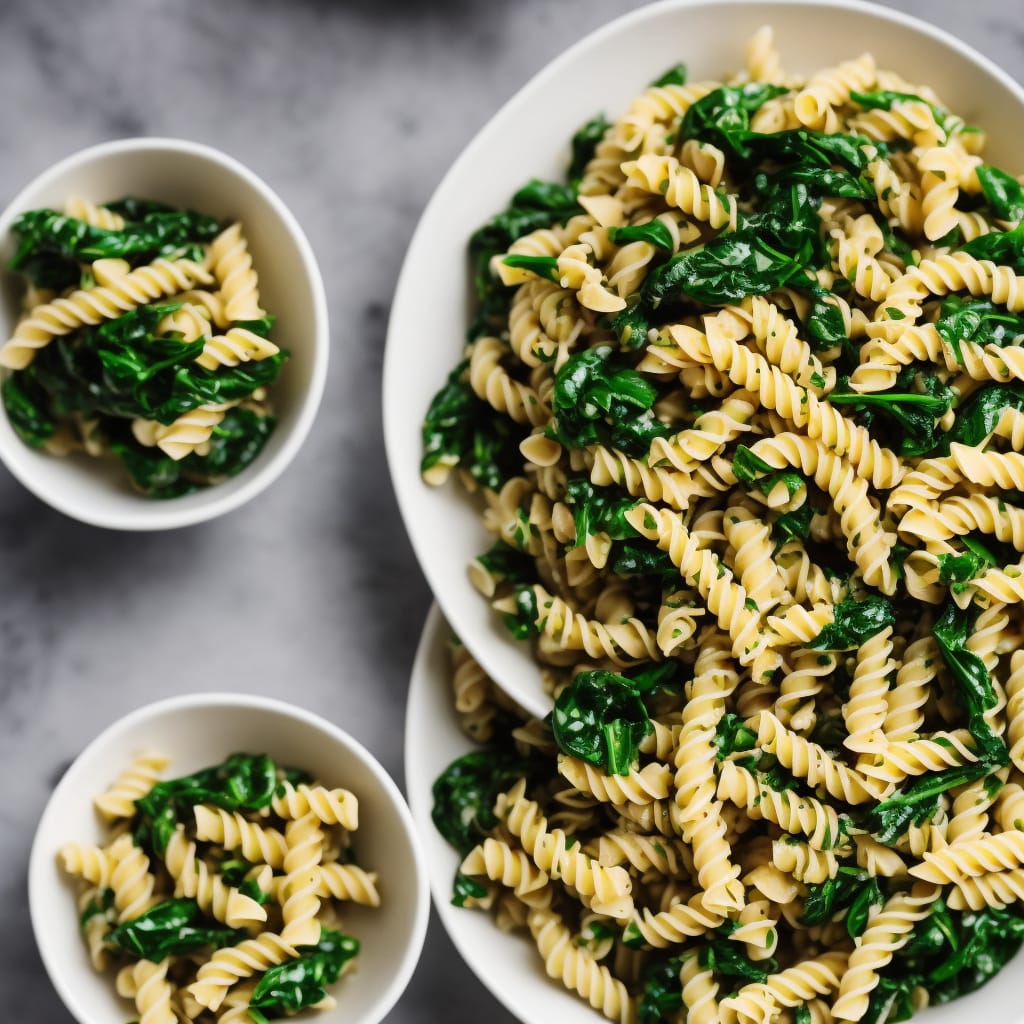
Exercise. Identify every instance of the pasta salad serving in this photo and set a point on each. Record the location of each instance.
(220, 894)
(142, 338)
(743, 407)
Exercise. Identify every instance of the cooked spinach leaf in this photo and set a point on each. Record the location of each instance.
(243, 782)
(172, 928)
(600, 718)
(599, 401)
(1004, 193)
(465, 792)
(855, 622)
(463, 430)
(661, 991)
(289, 987)
(584, 144)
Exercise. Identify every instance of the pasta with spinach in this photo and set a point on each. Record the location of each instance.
(742, 400)
(142, 338)
(220, 895)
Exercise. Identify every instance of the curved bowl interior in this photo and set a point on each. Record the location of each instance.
(184, 174)
(507, 963)
(528, 138)
(197, 731)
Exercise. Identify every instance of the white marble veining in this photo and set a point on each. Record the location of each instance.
(352, 110)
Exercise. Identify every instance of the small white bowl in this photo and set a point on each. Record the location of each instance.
(196, 731)
(529, 138)
(182, 173)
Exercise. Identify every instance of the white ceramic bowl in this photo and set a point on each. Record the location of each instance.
(97, 491)
(196, 731)
(529, 137)
(508, 963)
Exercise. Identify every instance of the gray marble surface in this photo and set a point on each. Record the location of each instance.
(352, 111)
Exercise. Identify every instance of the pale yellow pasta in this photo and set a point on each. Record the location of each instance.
(781, 509)
(699, 992)
(888, 928)
(98, 216)
(607, 890)
(577, 969)
(760, 1001)
(230, 963)
(803, 862)
(233, 831)
(153, 993)
(512, 868)
(131, 879)
(299, 892)
(93, 305)
(193, 879)
(639, 786)
(330, 806)
(234, 273)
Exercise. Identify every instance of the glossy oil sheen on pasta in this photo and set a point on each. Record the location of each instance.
(743, 406)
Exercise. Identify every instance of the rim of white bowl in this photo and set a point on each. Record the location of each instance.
(40, 860)
(150, 514)
(407, 485)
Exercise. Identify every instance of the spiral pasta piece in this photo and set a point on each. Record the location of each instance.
(803, 862)
(98, 216)
(866, 710)
(193, 879)
(623, 643)
(798, 815)
(710, 432)
(497, 861)
(331, 806)
(759, 1002)
(607, 889)
(348, 882)
(699, 992)
(94, 305)
(812, 762)
(673, 926)
(92, 863)
(300, 897)
(815, 105)
(231, 830)
(231, 963)
(888, 929)
(682, 189)
(234, 273)
(152, 993)
(577, 969)
(136, 781)
(640, 786)
(1000, 852)
(130, 879)
(495, 386)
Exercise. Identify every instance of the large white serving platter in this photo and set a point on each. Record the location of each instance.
(508, 964)
(529, 137)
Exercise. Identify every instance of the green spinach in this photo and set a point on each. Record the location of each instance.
(600, 718)
(855, 622)
(172, 928)
(465, 792)
(598, 401)
(301, 982)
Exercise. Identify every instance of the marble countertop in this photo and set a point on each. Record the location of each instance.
(352, 111)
